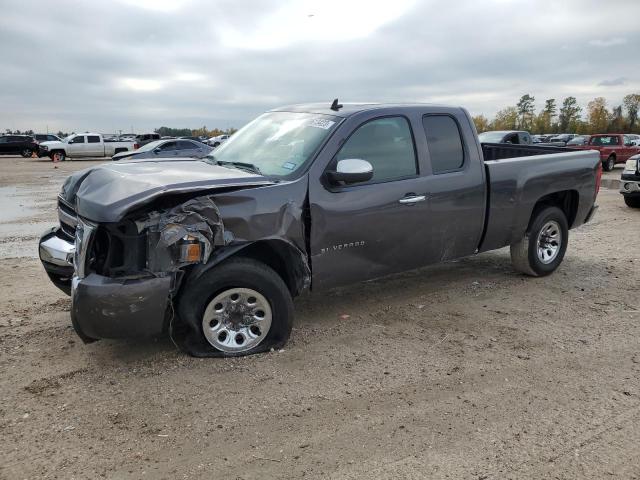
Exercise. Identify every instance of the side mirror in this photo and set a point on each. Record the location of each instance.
(157, 151)
(351, 170)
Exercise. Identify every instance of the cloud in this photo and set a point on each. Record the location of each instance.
(111, 65)
(613, 82)
(608, 42)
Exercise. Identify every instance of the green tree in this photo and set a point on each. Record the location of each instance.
(617, 123)
(569, 114)
(481, 122)
(632, 103)
(598, 115)
(506, 119)
(526, 107)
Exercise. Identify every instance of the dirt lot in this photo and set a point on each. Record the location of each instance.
(463, 370)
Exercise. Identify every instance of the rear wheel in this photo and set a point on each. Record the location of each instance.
(542, 249)
(240, 307)
(26, 153)
(633, 202)
(609, 164)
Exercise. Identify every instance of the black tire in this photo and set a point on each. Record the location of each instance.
(632, 202)
(609, 164)
(26, 153)
(233, 273)
(524, 254)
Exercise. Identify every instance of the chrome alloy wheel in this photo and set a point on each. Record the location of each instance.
(549, 242)
(237, 320)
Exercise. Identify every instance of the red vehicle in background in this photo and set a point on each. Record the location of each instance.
(613, 147)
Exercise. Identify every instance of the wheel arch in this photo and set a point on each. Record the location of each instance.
(565, 200)
(280, 255)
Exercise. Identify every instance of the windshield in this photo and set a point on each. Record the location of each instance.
(277, 143)
(150, 146)
(491, 137)
(66, 139)
(605, 140)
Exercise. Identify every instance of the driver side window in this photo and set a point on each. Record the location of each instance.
(387, 144)
(167, 147)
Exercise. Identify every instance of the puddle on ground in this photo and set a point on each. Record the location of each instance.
(19, 230)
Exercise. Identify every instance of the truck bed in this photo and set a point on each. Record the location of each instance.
(516, 183)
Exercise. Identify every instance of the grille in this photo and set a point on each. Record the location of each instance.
(68, 219)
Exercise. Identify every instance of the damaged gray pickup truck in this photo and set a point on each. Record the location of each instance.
(308, 196)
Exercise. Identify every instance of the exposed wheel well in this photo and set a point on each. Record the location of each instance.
(566, 200)
(285, 259)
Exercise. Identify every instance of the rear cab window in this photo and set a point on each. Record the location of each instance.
(93, 139)
(444, 142)
(605, 140)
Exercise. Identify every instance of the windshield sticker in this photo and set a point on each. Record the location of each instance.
(321, 123)
(289, 165)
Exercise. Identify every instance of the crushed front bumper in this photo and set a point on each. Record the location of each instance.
(56, 254)
(104, 307)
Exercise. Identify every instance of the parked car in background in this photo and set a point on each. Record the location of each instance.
(635, 139)
(630, 182)
(23, 145)
(578, 140)
(217, 141)
(46, 137)
(516, 137)
(614, 148)
(562, 139)
(145, 138)
(167, 150)
(84, 145)
(303, 196)
(192, 138)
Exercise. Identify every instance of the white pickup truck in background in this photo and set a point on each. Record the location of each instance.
(84, 145)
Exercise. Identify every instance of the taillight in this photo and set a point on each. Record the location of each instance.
(136, 146)
(598, 178)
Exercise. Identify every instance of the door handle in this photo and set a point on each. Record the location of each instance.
(412, 199)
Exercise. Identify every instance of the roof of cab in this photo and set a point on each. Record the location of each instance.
(348, 109)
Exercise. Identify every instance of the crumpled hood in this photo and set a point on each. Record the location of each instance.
(106, 193)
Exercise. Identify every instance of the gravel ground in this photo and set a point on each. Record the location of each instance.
(462, 370)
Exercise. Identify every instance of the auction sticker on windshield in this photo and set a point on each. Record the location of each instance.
(321, 123)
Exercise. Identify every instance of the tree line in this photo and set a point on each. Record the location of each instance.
(569, 118)
(163, 131)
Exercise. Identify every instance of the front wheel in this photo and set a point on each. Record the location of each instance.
(543, 246)
(633, 202)
(237, 308)
(609, 164)
(57, 156)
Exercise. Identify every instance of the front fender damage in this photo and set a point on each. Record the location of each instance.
(199, 220)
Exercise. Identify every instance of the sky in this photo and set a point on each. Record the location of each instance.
(113, 65)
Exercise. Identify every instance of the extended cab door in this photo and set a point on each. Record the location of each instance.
(401, 219)
(95, 147)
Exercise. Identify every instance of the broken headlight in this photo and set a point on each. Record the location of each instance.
(183, 235)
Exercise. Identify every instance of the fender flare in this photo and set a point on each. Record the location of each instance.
(289, 261)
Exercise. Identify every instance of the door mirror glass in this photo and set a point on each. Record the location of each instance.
(351, 170)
